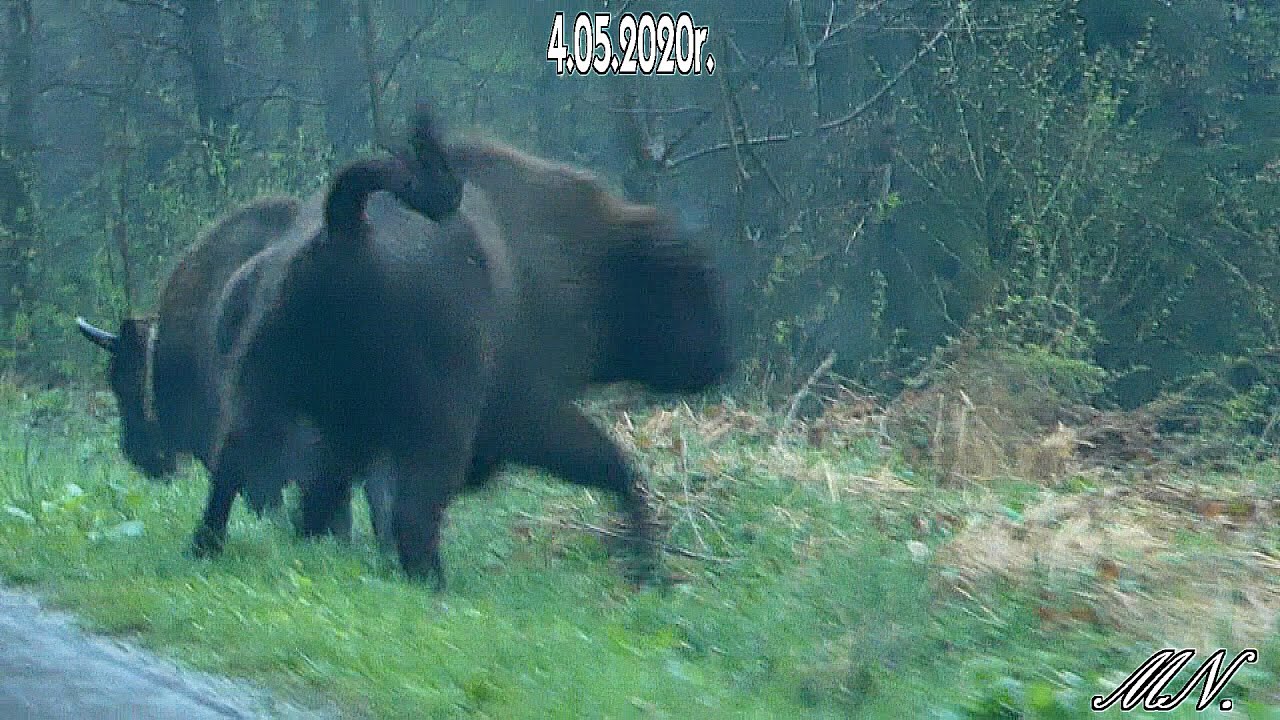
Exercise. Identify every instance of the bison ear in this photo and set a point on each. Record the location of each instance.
(103, 339)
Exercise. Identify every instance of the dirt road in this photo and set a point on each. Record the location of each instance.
(51, 670)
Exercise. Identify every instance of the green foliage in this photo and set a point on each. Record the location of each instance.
(1226, 413)
(1039, 322)
(1030, 149)
(1112, 162)
(1096, 179)
(1253, 42)
(1008, 690)
(207, 179)
(1049, 342)
(166, 215)
(533, 627)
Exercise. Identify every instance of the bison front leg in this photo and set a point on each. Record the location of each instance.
(239, 458)
(564, 442)
(212, 531)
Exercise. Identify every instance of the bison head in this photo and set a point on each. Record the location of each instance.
(130, 376)
(666, 317)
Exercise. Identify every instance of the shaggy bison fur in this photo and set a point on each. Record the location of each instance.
(448, 328)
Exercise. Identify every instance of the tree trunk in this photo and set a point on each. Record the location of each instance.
(17, 163)
(369, 35)
(202, 38)
(124, 210)
(338, 62)
(289, 19)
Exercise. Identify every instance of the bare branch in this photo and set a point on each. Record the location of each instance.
(852, 115)
(160, 5)
(805, 57)
(831, 17)
(659, 111)
(98, 90)
(393, 64)
(902, 71)
(794, 406)
(605, 532)
(721, 147)
(832, 30)
(274, 94)
(369, 42)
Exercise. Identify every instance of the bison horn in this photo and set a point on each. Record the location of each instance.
(97, 336)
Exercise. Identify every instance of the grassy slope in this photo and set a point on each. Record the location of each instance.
(816, 608)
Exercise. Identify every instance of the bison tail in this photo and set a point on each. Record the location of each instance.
(421, 178)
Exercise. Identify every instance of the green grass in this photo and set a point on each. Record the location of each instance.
(814, 609)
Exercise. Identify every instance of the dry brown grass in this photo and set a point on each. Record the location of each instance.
(1130, 545)
(980, 416)
(1155, 559)
(1147, 551)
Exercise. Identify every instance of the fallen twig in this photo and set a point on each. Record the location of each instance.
(597, 530)
(794, 406)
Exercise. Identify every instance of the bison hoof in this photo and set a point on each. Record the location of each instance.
(428, 572)
(206, 543)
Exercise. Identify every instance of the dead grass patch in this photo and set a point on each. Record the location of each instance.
(1128, 542)
(1156, 559)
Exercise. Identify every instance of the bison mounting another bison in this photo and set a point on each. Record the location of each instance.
(440, 311)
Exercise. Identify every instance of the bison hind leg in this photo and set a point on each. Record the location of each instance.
(564, 442)
(326, 495)
(427, 478)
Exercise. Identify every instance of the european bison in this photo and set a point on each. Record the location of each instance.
(166, 370)
(447, 328)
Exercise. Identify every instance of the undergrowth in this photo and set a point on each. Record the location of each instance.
(803, 582)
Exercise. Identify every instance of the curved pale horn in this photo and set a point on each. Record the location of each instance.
(97, 336)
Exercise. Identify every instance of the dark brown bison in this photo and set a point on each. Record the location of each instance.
(450, 332)
(163, 370)
(166, 370)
